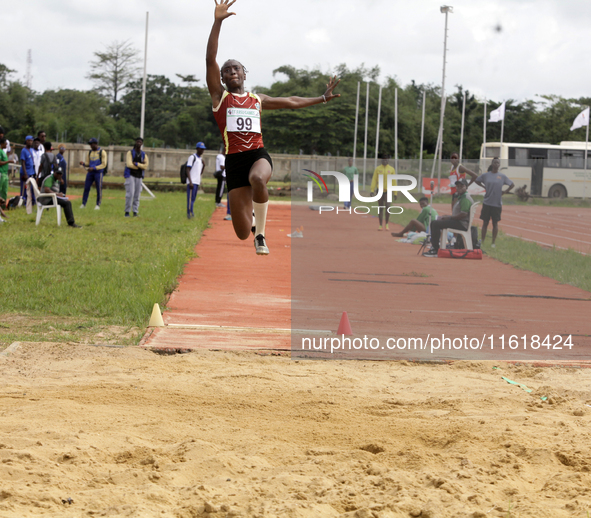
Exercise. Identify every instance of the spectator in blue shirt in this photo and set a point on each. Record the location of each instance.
(27, 171)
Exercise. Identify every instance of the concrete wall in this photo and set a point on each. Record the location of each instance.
(167, 162)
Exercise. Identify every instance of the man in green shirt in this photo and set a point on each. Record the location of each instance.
(51, 184)
(350, 171)
(422, 222)
(3, 170)
(459, 220)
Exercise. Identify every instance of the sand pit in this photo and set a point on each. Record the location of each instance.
(127, 432)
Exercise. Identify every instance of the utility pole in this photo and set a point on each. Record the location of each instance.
(143, 114)
(446, 9)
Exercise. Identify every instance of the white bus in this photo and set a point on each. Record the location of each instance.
(545, 169)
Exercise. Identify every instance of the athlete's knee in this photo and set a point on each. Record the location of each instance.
(257, 181)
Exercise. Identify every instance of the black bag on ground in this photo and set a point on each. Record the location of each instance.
(13, 203)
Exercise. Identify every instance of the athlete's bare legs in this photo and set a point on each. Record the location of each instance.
(242, 198)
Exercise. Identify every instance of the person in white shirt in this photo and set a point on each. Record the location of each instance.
(36, 151)
(194, 170)
(8, 149)
(220, 174)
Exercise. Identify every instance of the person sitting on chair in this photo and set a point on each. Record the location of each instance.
(420, 224)
(459, 220)
(51, 184)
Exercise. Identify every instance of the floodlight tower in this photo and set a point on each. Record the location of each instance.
(446, 9)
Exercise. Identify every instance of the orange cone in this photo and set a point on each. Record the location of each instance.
(344, 326)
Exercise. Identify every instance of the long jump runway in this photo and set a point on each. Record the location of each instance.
(229, 298)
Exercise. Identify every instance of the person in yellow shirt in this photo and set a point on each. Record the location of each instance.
(383, 170)
(95, 165)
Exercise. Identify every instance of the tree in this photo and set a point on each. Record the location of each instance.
(114, 68)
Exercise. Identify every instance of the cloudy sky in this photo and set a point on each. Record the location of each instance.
(541, 48)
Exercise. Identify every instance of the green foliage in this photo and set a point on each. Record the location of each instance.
(179, 114)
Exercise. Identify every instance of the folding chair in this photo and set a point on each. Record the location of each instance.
(467, 234)
(40, 207)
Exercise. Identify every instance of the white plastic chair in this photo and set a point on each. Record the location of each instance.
(466, 233)
(41, 207)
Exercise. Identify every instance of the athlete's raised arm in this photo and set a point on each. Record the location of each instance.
(292, 103)
(214, 83)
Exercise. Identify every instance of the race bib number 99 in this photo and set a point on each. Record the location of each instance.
(242, 119)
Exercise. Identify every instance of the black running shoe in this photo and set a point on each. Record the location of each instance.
(430, 253)
(261, 245)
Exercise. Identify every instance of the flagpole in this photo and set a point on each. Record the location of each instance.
(378, 128)
(421, 154)
(586, 148)
(462, 131)
(396, 130)
(356, 122)
(143, 109)
(440, 152)
(484, 133)
(502, 127)
(365, 143)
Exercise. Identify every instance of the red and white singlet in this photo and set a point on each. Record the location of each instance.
(239, 119)
(454, 176)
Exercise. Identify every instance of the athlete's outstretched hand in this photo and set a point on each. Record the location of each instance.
(332, 84)
(221, 9)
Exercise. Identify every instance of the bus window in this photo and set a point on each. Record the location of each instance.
(573, 159)
(492, 151)
(521, 157)
(553, 158)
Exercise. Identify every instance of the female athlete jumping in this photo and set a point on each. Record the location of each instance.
(238, 114)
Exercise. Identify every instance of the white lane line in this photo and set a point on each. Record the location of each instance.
(546, 234)
(545, 244)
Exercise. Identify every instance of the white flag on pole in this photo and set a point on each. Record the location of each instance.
(498, 114)
(581, 120)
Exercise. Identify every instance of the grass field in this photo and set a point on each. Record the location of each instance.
(98, 283)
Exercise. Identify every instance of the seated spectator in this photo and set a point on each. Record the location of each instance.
(521, 192)
(48, 163)
(419, 224)
(459, 220)
(51, 184)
